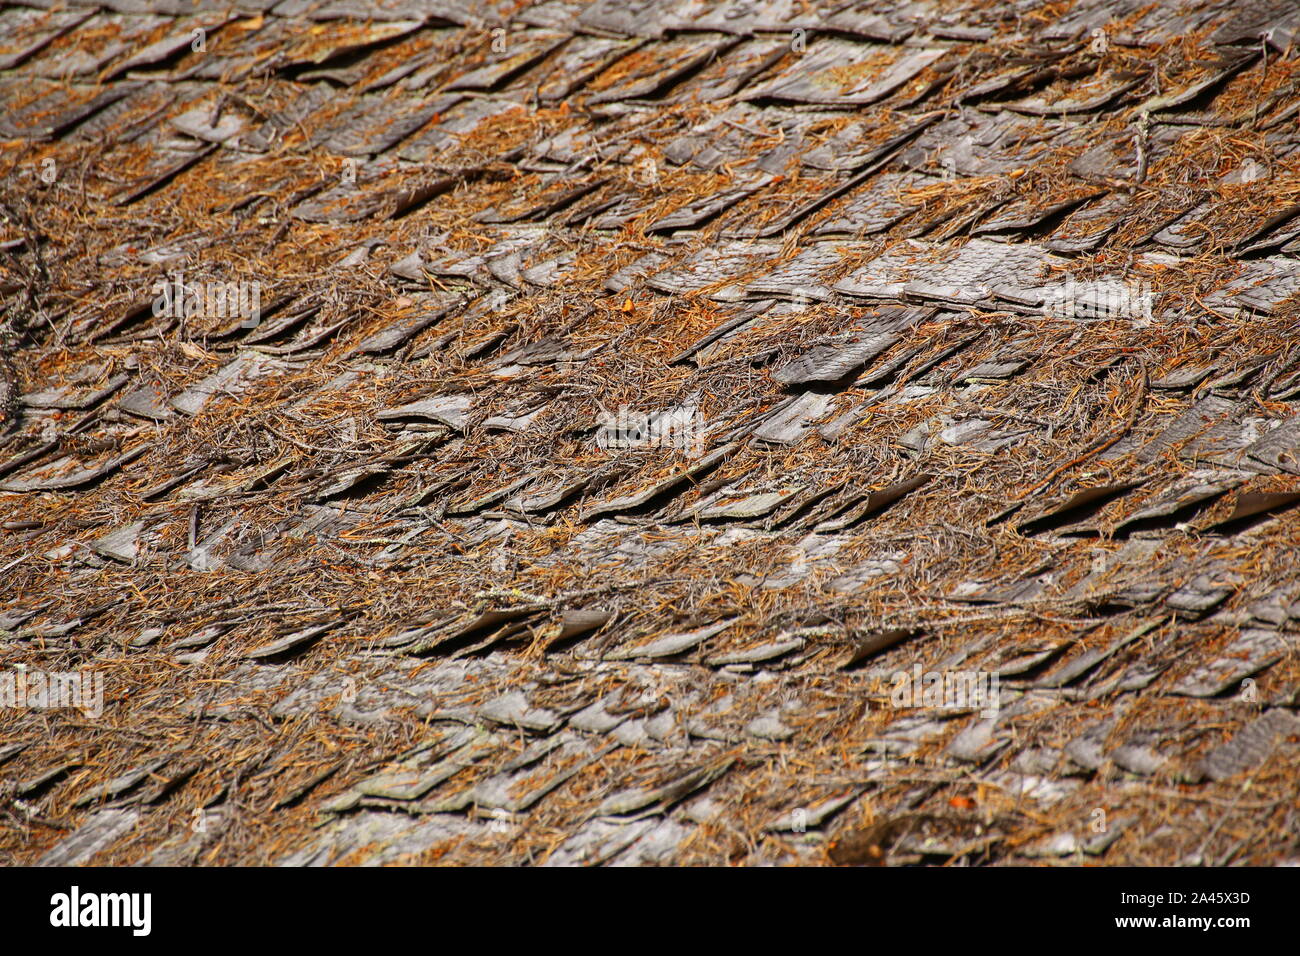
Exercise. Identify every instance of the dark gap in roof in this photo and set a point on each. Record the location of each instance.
(666, 497)
(283, 326)
(543, 53)
(674, 78)
(1203, 99)
(841, 384)
(266, 480)
(163, 66)
(878, 502)
(490, 345)
(297, 649)
(577, 626)
(30, 455)
(1084, 532)
(348, 57)
(1080, 506)
(1115, 606)
(850, 500)
(413, 199)
(134, 194)
(448, 489)
(802, 508)
(238, 332)
(69, 122)
(485, 626)
(1024, 86)
(928, 366)
(1254, 508)
(761, 358)
(1167, 522)
(37, 788)
(1048, 224)
(875, 642)
(1030, 675)
(362, 488)
(568, 498)
(1258, 246)
(513, 633)
(1103, 370)
(128, 319)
